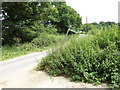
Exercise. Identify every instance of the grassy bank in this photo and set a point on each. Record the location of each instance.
(43, 42)
(92, 59)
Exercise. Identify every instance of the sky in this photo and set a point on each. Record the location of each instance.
(95, 10)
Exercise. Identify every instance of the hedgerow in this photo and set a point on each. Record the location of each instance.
(45, 39)
(92, 59)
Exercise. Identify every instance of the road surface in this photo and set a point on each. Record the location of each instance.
(19, 73)
(12, 65)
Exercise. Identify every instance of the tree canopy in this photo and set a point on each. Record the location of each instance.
(21, 17)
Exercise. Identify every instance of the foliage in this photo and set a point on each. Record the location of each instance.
(83, 59)
(39, 28)
(87, 27)
(24, 21)
(45, 41)
(65, 17)
(18, 16)
(104, 38)
(99, 26)
(106, 24)
(16, 50)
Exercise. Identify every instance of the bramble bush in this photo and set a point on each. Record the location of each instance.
(92, 59)
(45, 39)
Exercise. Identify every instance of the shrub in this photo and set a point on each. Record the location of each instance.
(84, 60)
(39, 27)
(45, 39)
(16, 50)
(106, 37)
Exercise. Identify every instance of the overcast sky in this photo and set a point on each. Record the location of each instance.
(96, 10)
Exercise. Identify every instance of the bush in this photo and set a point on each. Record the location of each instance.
(106, 37)
(43, 42)
(84, 60)
(45, 39)
(40, 28)
(16, 50)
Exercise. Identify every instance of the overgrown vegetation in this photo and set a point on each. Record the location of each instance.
(30, 26)
(43, 42)
(46, 39)
(92, 59)
(24, 21)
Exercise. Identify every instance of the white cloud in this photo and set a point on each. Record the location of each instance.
(96, 10)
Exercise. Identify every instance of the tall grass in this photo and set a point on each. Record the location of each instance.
(43, 42)
(92, 59)
(45, 39)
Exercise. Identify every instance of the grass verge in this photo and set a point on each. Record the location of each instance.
(43, 42)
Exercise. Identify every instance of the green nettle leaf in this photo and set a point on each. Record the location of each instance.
(84, 59)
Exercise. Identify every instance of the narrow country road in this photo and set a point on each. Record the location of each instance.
(15, 64)
(19, 73)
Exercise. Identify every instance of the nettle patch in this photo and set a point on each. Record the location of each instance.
(92, 59)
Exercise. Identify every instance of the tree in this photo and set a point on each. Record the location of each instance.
(64, 16)
(22, 20)
(18, 16)
(106, 24)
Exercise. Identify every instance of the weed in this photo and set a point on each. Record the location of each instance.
(92, 59)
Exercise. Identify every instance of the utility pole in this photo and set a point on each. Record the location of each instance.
(86, 20)
(86, 24)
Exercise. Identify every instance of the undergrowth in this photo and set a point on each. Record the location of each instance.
(92, 59)
(43, 42)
